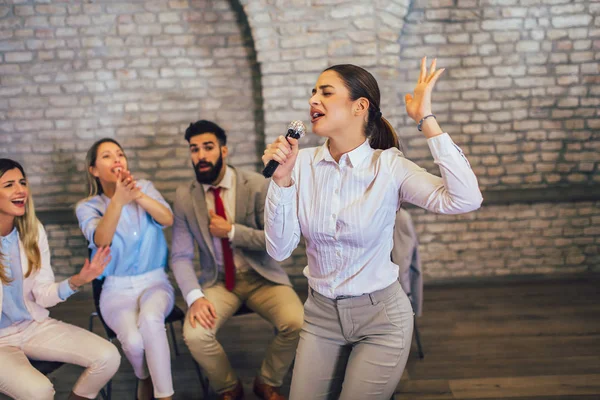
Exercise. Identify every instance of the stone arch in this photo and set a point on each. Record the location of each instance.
(294, 43)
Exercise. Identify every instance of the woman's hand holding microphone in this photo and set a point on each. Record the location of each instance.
(285, 152)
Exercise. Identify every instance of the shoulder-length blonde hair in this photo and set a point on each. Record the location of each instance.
(27, 227)
(94, 186)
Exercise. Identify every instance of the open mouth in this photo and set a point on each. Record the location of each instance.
(315, 116)
(19, 202)
(116, 170)
(204, 167)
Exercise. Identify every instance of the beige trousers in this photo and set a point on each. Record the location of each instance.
(278, 304)
(52, 340)
(353, 348)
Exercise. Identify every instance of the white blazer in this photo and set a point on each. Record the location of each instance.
(40, 291)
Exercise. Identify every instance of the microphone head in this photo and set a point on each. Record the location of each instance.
(296, 129)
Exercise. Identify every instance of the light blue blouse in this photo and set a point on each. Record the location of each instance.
(139, 245)
(13, 303)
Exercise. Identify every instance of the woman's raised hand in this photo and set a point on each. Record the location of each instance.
(92, 269)
(418, 104)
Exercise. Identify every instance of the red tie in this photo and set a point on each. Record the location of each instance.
(227, 253)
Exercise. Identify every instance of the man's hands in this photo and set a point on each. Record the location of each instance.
(204, 312)
(219, 226)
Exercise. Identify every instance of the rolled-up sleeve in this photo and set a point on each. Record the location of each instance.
(148, 188)
(89, 217)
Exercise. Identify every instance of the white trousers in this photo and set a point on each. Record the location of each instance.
(52, 340)
(135, 307)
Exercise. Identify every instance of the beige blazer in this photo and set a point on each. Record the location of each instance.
(190, 230)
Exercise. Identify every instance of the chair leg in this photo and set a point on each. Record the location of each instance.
(174, 339)
(91, 324)
(137, 384)
(418, 338)
(106, 393)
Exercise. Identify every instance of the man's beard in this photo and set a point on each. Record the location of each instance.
(208, 177)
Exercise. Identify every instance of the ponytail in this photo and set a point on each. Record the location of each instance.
(380, 132)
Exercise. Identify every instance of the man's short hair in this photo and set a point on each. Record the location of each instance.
(204, 126)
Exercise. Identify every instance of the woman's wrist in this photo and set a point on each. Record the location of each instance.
(141, 197)
(429, 126)
(116, 203)
(283, 182)
(75, 282)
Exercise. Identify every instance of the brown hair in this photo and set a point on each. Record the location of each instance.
(360, 83)
(90, 161)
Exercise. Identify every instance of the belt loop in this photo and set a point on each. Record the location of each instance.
(372, 298)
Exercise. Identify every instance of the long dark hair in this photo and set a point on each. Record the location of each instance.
(360, 83)
(94, 186)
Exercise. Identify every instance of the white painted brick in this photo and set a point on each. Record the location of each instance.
(571, 21)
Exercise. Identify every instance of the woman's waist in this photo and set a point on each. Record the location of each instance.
(358, 300)
(351, 280)
(130, 280)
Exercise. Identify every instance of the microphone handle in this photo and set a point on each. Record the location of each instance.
(270, 168)
(272, 165)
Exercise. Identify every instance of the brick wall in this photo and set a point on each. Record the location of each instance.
(521, 96)
(542, 238)
(138, 71)
(522, 89)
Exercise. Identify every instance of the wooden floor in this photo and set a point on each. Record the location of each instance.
(504, 340)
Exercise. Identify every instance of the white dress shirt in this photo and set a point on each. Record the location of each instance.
(346, 210)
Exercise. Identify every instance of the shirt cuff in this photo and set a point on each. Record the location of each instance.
(192, 296)
(282, 195)
(64, 290)
(231, 233)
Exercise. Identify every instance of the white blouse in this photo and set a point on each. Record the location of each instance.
(346, 210)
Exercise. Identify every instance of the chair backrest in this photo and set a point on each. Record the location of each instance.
(97, 291)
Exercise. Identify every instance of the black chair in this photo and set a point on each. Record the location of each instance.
(175, 315)
(46, 367)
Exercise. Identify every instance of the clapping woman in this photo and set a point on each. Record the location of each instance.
(129, 216)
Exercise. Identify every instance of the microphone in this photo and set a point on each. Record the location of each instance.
(296, 130)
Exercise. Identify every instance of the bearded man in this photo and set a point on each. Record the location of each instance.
(222, 213)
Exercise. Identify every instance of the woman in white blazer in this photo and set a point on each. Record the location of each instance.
(27, 288)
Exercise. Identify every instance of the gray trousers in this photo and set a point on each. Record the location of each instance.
(353, 348)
